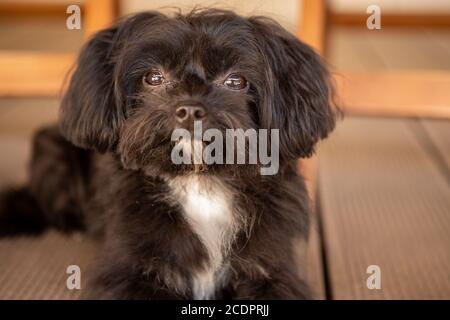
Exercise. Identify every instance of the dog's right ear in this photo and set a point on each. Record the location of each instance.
(92, 109)
(90, 116)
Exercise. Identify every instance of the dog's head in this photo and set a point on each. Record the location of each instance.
(138, 81)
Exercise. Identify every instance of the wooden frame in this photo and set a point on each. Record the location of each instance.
(29, 73)
(401, 93)
(411, 93)
(406, 94)
(389, 19)
(313, 23)
(34, 9)
(33, 74)
(99, 14)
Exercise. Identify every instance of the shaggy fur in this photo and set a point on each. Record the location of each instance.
(169, 231)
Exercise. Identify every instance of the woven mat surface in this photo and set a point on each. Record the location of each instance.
(386, 202)
(439, 133)
(36, 267)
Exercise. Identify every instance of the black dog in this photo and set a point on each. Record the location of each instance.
(172, 231)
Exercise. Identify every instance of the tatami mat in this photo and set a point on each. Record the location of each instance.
(439, 133)
(44, 259)
(36, 268)
(384, 202)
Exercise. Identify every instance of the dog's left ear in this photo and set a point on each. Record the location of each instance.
(296, 97)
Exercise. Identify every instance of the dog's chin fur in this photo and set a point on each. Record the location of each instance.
(166, 168)
(180, 231)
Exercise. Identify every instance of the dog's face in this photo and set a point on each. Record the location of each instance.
(138, 81)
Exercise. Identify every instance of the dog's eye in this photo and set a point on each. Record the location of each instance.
(154, 78)
(235, 82)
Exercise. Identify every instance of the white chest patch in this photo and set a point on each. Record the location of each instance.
(207, 206)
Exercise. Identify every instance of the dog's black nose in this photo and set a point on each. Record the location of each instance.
(185, 113)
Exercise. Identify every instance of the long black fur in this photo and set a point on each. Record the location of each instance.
(105, 168)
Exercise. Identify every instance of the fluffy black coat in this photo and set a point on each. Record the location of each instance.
(106, 169)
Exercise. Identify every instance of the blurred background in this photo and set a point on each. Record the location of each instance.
(380, 183)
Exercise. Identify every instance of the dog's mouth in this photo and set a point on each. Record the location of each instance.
(191, 152)
(219, 151)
